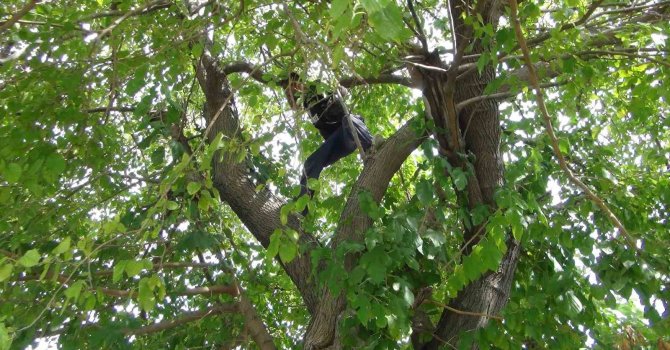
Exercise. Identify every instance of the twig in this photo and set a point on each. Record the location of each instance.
(498, 96)
(539, 95)
(419, 27)
(139, 10)
(146, 9)
(626, 54)
(208, 290)
(186, 317)
(542, 37)
(631, 9)
(18, 15)
(567, 26)
(462, 312)
(164, 266)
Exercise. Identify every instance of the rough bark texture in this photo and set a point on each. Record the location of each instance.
(259, 211)
(479, 127)
(474, 130)
(377, 173)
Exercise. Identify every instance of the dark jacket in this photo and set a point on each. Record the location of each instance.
(327, 112)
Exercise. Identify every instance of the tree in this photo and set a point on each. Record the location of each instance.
(516, 196)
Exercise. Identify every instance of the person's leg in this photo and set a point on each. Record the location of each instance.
(361, 130)
(337, 146)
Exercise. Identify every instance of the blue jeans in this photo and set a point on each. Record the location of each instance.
(338, 145)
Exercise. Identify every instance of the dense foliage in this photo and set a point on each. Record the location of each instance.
(116, 229)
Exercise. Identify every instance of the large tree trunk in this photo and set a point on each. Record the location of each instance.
(479, 127)
(475, 131)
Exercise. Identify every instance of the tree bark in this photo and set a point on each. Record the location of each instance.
(479, 127)
(259, 211)
(377, 173)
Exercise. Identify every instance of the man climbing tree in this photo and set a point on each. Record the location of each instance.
(519, 199)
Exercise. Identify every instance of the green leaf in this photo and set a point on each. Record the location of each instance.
(137, 82)
(288, 251)
(386, 18)
(285, 211)
(158, 156)
(369, 206)
(437, 238)
(30, 258)
(337, 8)
(472, 267)
(460, 178)
(197, 49)
(5, 339)
(172, 205)
(117, 272)
(74, 291)
(62, 247)
(145, 295)
(6, 271)
(273, 247)
(363, 308)
(483, 60)
(193, 187)
(134, 267)
(564, 146)
(54, 166)
(204, 203)
(407, 295)
(424, 191)
(376, 262)
(514, 217)
(12, 173)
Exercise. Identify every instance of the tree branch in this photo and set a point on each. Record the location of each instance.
(19, 14)
(462, 312)
(380, 166)
(151, 7)
(148, 7)
(155, 267)
(259, 211)
(111, 109)
(419, 27)
(257, 74)
(186, 317)
(544, 36)
(210, 290)
(534, 81)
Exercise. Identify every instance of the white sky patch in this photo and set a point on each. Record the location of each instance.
(659, 39)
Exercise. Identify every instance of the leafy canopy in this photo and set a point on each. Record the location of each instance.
(109, 220)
